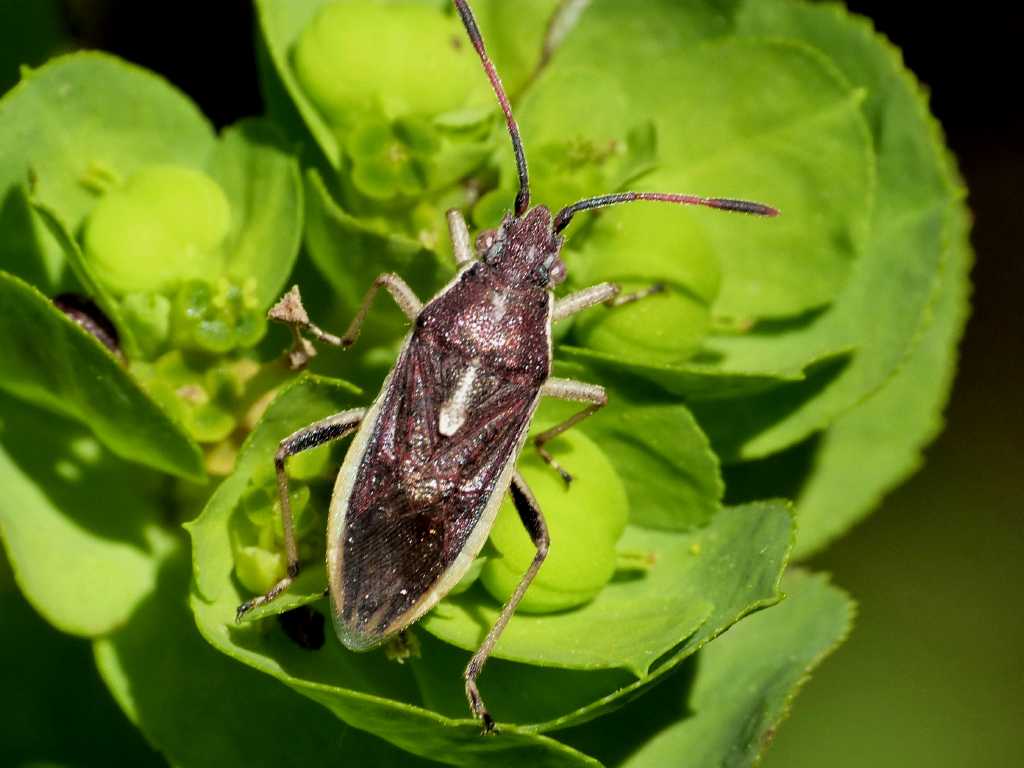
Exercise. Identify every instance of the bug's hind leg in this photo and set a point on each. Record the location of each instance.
(576, 391)
(332, 428)
(533, 521)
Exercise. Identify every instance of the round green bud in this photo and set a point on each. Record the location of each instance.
(209, 422)
(258, 569)
(216, 318)
(640, 245)
(584, 523)
(165, 225)
(250, 327)
(262, 508)
(397, 59)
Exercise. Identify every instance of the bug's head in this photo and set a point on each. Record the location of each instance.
(525, 249)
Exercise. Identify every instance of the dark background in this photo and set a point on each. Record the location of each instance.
(934, 672)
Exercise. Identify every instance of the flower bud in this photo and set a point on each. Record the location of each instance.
(397, 60)
(584, 523)
(165, 225)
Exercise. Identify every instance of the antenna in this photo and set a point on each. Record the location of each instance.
(523, 196)
(723, 203)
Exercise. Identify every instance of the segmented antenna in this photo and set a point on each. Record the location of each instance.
(723, 203)
(523, 196)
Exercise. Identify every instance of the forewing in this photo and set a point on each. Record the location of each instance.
(419, 496)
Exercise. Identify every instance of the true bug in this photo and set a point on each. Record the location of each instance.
(434, 454)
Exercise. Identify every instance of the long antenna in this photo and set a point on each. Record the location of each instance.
(523, 196)
(723, 203)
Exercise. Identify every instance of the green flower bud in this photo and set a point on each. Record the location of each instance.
(202, 398)
(470, 577)
(584, 521)
(217, 318)
(390, 160)
(259, 569)
(257, 533)
(165, 225)
(263, 509)
(672, 251)
(397, 60)
(209, 423)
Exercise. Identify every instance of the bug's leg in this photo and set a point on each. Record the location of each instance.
(533, 521)
(461, 244)
(576, 391)
(400, 291)
(332, 428)
(609, 294)
(289, 310)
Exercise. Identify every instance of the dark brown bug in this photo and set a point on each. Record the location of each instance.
(435, 453)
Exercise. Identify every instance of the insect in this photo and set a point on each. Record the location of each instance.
(433, 456)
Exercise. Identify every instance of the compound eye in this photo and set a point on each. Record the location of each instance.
(557, 274)
(542, 276)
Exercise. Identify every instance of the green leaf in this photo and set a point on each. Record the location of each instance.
(744, 685)
(659, 451)
(200, 708)
(769, 120)
(870, 450)
(881, 311)
(83, 530)
(732, 567)
(365, 690)
(28, 250)
(280, 24)
(76, 261)
(515, 34)
(52, 688)
(49, 360)
(261, 179)
(701, 381)
(59, 126)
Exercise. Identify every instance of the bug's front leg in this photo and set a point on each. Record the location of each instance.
(533, 520)
(575, 391)
(462, 245)
(289, 310)
(609, 294)
(332, 428)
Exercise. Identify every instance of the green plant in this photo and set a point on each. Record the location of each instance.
(808, 358)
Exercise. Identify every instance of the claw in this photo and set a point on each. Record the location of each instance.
(301, 352)
(243, 609)
(490, 729)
